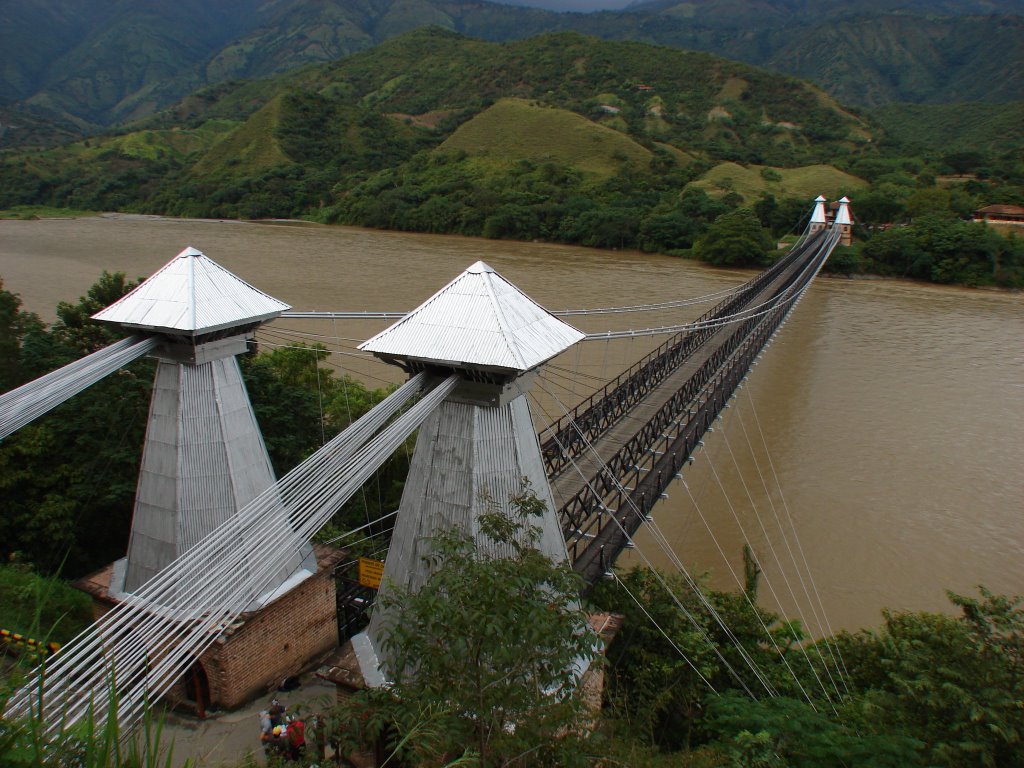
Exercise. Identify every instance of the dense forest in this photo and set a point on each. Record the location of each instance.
(76, 66)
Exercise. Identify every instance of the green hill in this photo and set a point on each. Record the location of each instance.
(250, 148)
(751, 182)
(514, 129)
(300, 139)
(969, 127)
(560, 137)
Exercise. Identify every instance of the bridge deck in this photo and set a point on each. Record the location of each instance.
(568, 482)
(632, 460)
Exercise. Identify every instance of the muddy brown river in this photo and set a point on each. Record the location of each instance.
(873, 457)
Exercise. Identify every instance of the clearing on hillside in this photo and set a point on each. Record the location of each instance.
(251, 147)
(751, 181)
(514, 129)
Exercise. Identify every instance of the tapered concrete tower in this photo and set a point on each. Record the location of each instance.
(818, 220)
(844, 221)
(204, 457)
(474, 451)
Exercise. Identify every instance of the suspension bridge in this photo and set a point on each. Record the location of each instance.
(199, 555)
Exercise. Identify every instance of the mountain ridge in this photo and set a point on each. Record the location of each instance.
(93, 64)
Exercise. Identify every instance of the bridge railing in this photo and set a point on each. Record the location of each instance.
(568, 436)
(634, 478)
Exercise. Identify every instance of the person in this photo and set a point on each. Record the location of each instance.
(277, 710)
(274, 741)
(265, 724)
(265, 730)
(295, 739)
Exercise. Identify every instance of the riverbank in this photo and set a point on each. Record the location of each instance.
(849, 264)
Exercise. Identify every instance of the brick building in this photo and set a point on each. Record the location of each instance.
(288, 635)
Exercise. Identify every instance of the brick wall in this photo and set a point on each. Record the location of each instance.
(281, 640)
(286, 637)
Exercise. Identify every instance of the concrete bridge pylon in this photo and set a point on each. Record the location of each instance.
(475, 450)
(204, 457)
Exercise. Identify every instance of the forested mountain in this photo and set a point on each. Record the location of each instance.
(601, 115)
(76, 65)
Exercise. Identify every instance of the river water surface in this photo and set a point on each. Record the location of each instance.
(879, 440)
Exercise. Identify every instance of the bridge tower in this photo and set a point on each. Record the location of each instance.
(204, 457)
(844, 221)
(818, 218)
(475, 450)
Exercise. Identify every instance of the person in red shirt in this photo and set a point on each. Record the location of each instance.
(296, 739)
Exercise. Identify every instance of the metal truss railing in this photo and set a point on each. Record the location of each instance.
(588, 421)
(636, 476)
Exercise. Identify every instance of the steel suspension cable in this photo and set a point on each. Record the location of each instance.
(664, 634)
(771, 548)
(653, 307)
(768, 582)
(30, 401)
(148, 606)
(693, 621)
(828, 243)
(799, 546)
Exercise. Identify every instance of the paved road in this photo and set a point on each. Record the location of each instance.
(225, 739)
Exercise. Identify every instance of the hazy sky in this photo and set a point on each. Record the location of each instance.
(570, 5)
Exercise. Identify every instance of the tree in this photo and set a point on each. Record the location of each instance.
(963, 162)
(880, 206)
(954, 683)
(946, 250)
(666, 658)
(487, 651)
(781, 731)
(735, 239)
(68, 479)
(782, 216)
(15, 325)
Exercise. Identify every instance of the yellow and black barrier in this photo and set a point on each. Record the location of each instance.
(17, 641)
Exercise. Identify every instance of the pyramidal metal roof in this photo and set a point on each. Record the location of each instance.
(192, 294)
(478, 320)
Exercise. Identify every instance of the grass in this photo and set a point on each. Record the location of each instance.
(808, 181)
(177, 143)
(514, 129)
(44, 608)
(248, 149)
(733, 89)
(48, 609)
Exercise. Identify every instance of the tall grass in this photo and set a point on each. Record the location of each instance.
(47, 609)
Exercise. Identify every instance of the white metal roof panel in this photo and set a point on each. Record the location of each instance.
(478, 319)
(192, 294)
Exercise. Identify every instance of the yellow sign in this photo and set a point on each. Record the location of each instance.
(370, 572)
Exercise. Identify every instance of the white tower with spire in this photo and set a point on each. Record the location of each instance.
(204, 457)
(477, 447)
(844, 221)
(818, 220)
